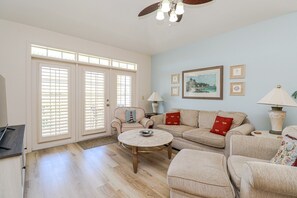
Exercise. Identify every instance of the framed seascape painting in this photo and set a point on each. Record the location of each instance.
(204, 83)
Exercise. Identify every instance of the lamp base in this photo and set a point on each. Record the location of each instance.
(277, 118)
(275, 132)
(155, 106)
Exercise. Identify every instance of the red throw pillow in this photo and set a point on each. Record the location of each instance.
(221, 125)
(173, 118)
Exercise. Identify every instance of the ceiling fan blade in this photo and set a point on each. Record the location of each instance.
(149, 9)
(196, 2)
(179, 18)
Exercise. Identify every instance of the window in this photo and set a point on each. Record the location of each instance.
(54, 101)
(94, 59)
(52, 53)
(94, 100)
(124, 65)
(124, 91)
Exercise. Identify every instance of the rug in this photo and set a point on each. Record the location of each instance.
(88, 144)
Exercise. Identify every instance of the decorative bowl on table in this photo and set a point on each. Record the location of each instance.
(146, 133)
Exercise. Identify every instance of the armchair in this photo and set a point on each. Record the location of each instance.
(119, 121)
(251, 173)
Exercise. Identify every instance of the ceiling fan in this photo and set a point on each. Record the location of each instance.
(174, 8)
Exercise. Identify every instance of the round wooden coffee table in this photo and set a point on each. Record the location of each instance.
(139, 144)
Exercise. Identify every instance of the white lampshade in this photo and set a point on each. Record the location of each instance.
(278, 97)
(173, 16)
(165, 6)
(160, 15)
(155, 97)
(179, 8)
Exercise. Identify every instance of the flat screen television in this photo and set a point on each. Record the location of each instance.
(3, 108)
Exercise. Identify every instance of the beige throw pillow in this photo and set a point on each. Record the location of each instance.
(189, 117)
(206, 119)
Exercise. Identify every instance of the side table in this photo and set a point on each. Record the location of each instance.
(265, 134)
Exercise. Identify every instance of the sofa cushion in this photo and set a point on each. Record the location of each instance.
(221, 125)
(238, 117)
(173, 118)
(206, 119)
(204, 136)
(175, 130)
(130, 126)
(235, 167)
(189, 117)
(200, 173)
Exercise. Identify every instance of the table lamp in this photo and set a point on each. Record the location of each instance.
(277, 98)
(155, 98)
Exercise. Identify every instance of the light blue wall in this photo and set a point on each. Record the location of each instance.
(269, 51)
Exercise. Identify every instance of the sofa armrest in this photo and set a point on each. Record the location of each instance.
(244, 129)
(256, 147)
(158, 119)
(272, 180)
(116, 124)
(146, 123)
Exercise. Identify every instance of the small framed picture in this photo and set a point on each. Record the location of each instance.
(174, 91)
(237, 72)
(237, 89)
(175, 79)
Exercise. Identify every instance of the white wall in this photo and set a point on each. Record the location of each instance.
(268, 49)
(15, 63)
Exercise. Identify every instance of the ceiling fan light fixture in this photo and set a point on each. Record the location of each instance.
(165, 6)
(173, 17)
(160, 15)
(179, 8)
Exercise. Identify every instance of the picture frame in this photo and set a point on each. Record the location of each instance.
(204, 83)
(174, 91)
(175, 79)
(237, 72)
(237, 89)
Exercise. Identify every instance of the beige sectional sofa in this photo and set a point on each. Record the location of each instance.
(248, 172)
(251, 172)
(194, 129)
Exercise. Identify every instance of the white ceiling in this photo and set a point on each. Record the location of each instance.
(115, 22)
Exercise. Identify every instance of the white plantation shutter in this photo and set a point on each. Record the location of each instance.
(54, 100)
(94, 100)
(124, 91)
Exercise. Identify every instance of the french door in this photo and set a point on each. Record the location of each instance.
(93, 101)
(53, 103)
(122, 92)
(73, 102)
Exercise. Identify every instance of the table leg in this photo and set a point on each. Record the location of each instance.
(169, 148)
(135, 158)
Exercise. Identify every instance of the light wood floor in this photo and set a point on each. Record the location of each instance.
(106, 171)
